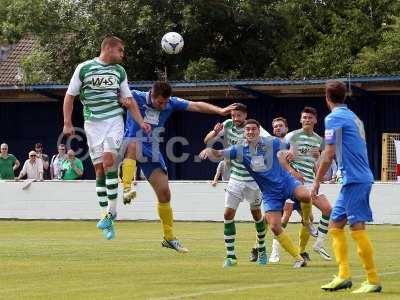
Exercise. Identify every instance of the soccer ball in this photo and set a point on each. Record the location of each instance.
(172, 43)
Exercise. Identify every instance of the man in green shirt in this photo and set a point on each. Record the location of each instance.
(8, 163)
(72, 167)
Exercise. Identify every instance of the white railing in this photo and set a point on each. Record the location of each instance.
(191, 200)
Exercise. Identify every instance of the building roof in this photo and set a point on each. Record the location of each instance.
(10, 73)
(223, 89)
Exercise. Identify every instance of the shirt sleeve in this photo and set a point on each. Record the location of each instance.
(40, 165)
(230, 153)
(79, 164)
(220, 167)
(23, 171)
(331, 127)
(263, 132)
(75, 83)
(125, 91)
(179, 103)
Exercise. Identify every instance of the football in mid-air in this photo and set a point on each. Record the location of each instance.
(172, 43)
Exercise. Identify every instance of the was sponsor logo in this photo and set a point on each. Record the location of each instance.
(104, 81)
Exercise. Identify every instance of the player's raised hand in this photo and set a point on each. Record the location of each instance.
(227, 110)
(146, 127)
(218, 127)
(68, 130)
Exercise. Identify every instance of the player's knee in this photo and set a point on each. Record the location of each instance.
(164, 195)
(229, 214)
(276, 229)
(131, 151)
(256, 213)
(108, 161)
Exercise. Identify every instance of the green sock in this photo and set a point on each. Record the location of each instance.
(229, 236)
(102, 193)
(260, 227)
(112, 191)
(323, 225)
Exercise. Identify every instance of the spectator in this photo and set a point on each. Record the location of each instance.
(8, 163)
(44, 158)
(223, 170)
(57, 161)
(33, 168)
(72, 168)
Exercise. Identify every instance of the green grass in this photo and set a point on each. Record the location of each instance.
(71, 260)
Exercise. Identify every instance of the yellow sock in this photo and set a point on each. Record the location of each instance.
(165, 213)
(288, 245)
(304, 236)
(306, 211)
(339, 245)
(366, 253)
(128, 172)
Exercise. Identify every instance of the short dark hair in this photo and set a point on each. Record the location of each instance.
(335, 91)
(162, 88)
(240, 107)
(252, 121)
(111, 40)
(280, 119)
(310, 110)
(38, 145)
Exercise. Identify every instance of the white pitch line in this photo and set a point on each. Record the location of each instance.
(259, 286)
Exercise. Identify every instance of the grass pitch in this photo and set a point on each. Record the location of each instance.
(71, 260)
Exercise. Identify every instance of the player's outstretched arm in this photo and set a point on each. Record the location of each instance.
(68, 107)
(207, 108)
(211, 154)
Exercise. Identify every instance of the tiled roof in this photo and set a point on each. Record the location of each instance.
(10, 67)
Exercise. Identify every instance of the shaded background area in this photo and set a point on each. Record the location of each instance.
(24, 124)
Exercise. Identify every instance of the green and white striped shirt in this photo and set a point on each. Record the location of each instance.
(99, 85)
(235, 135)
(302, 144)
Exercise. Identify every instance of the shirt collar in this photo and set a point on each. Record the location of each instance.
(97, 59)
(342, 106)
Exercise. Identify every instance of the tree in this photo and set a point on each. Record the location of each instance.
(385, 58)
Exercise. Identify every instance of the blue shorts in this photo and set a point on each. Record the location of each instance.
(276, 201)
(353, 204)
(150, 161)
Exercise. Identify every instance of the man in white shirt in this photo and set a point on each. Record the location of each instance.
(33, 168)
(57, 161)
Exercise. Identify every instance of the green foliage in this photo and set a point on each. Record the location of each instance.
(242, 38)
(385, 58)
(37, 67)
(204, 68)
